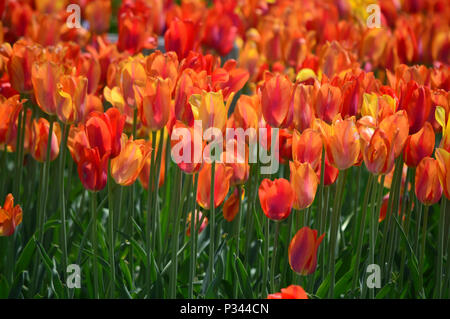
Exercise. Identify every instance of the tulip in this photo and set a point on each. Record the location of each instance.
(190, 141)
(98, 14)
(73, 91)
(45, 78)
(133, 34)
(396, 128)
(342, 142)
(211, 109)
(9, 113)
(93, 169)
(416, 100)
(307, 147)
(291, 292)
(186, 86)
(222, 179)
(10, 216)
(328, 102)
(419, 145)
(428, 188)
(145, 172)
(304, 182)
(164, 65)
(237, 161)
(276, 198)
(154, 103)
(384, 207)
(181, 37)
(275, 97)
(24, 53)
(132, 76)
(443, 159)
(303, 251)
(126, 167)
(40, 131)
(303, 100)
(378, 154)
(231, 205)
(198, 217)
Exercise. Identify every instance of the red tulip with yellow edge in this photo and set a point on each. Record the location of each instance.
(276, 198)
(222, 180)
(443, 159)
(154, 103)
(419, 145)
(125, 167)
(303, 251)
(304, 182)
(275, 97)
(10, 216)
(40, 131)
(291, 292)
(428, 187)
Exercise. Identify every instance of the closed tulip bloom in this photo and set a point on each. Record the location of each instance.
(125, 167)
(10, 216)
(378, 154)
(154, 102)
(187, 139)
(222, 179)
(342, 143)
(73, 91)
(276, 198)
(428, 188)
(9, 113)
(40, 131)
(303, 100)
(45, 78)
(231, 205)
(304, 182)
(276, 100)
(443, 159)
(132, 75)
(303, 251)
(291, 292)
(197, 218)
(211, 109)
(237, 161)
(24, 53)
(181, 37)
(416, 100)
(396, 128)
(93, 169)
(419, 145)
(328, 102)
(307, 147)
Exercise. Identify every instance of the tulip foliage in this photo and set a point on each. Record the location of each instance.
(225, 149)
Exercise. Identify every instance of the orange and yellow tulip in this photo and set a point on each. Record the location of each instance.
(303, 251)
(276, 198)
(211, 109)
(222, 178)
(307, 147)
(291, 292)
(304, 182)
(396, 128)
(9, 113)
(40, 131)
(428, 187)
(419, 145)
(73, 92)
(45, 78)
(443, 159)
(378, 153)
(126, 167)
(24, 54)
(10, 216)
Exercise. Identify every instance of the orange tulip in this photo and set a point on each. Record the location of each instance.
(134, 34)
(419, 145)
(193, 143)
(342, 142)
(9, 113)
(222, 179)
(304, 182)
(303, 251)
(154, 102)
(328, 102)
(98, 13)
(428, 188)
(396, 128)
(197, 218)
(186, 86)
(73, 92)
(307, 147)
(378, 153)
(40, 131)
(231, 205)
(291, 292)
(132, 78)
(443, 159)
(125, 167)
(276, 198)
(164, 65)
(275, 99)
(238, 162)
(10, 216)
(24, 53)
(211, 109)
(303, 100)
(45, 78)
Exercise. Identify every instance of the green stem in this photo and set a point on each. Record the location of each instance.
(266, 259)
(175, 238)
(274, 257)
(94, 238)
(194, 220)
(149, 227)
(238, 236)
(111, 232)
(440, 256)
(62, 160)
(212, 224)
(422, 251)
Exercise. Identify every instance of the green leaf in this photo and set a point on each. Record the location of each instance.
(26, 256)
(244, 281)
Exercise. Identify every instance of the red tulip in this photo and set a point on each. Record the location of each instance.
(419, 145)
(428, 188)
(276, 198)
(291, 292)
(222, 177)
(275, 99)
(10, 216)
(303, 251)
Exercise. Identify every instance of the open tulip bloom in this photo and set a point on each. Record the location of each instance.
(225, 149)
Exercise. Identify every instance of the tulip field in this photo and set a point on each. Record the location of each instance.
(225, 149)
